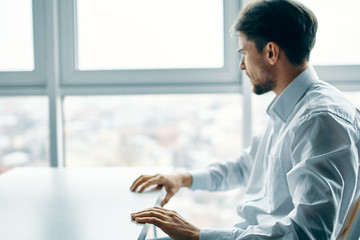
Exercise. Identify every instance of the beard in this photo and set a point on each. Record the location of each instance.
(264, 87)
(264, 82)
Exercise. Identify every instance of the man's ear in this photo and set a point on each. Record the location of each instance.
(272, 51)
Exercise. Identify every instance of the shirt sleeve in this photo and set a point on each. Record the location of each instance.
(227, 175)
(322, 183)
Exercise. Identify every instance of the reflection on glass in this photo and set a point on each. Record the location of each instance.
(337, 37)
(186, 131)
(149, 34)
(16, 41)
(24, 131)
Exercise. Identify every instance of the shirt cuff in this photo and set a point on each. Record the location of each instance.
(216, 234)
(201, 180)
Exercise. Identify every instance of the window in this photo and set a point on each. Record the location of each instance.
(184, 131)
(16, 42)
(35, 32)
(24, 138)
(59, 56)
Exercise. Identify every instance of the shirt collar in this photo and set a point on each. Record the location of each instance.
(282, 105)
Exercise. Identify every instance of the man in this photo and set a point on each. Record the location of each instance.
(302, 174)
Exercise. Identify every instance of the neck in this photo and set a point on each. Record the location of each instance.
(286, 74)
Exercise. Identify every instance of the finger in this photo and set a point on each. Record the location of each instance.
(138, 182)
(139, 212)
(152, 209)
(152, 220)
(165, 212)
(167, 198)
(155, 180)
(149, 213)
(153, 216)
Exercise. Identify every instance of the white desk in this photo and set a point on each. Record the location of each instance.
(71, 204)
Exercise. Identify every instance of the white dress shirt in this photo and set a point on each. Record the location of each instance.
(301, 175)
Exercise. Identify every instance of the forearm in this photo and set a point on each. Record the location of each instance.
(221, 176)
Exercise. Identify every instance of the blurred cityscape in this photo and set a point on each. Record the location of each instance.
(24, 131)
(183, 131)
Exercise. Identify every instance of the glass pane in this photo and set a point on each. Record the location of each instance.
(16, 41)
(150, 34)
(186, 131)
(338, 33)
(24, 131)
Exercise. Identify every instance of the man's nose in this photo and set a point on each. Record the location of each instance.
(242, 64)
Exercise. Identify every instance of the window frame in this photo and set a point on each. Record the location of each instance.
(55, 77)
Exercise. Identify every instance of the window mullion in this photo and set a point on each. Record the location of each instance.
(53, 82)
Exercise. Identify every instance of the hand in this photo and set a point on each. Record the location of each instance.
(5, 168)
(169, 222)
(172, 184)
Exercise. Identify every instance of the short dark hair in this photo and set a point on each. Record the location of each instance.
(287, 23)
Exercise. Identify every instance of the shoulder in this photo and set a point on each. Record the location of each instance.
(323, 101)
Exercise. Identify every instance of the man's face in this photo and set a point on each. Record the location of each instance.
(255, 66)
